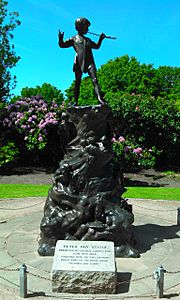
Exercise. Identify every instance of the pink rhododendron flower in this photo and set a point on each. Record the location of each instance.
(113, 139)
(138, 150)
(40, 139)
(23, 126)
(30, 119)
(121, 139)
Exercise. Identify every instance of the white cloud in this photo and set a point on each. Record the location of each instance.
(21, 47)
(54, 8)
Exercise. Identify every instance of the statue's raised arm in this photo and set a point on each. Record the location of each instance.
(84, 60)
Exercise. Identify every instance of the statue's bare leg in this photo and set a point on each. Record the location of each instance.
(92, 74)
(78, 75)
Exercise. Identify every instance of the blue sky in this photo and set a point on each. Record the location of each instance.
(146, 29)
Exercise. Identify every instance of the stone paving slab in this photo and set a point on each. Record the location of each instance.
(157, 238)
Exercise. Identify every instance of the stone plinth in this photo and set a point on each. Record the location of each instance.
(84, 267)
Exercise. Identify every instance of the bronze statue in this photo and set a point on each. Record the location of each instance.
(84, 60)
(66, 131)
(84, 202)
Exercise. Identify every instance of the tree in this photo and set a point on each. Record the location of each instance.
(122, 74)
(169, 80)
(127, 75)
(87, 95)
(8, 57)
(47, 91)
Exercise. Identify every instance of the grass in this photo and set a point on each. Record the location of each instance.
(171, 174)
(38, 190)
(160, 193)
(23, 190)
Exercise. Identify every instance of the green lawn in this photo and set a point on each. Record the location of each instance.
(37, 190)
(160, 193)
(23, 190)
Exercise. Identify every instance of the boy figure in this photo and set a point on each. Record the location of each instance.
(84, 60)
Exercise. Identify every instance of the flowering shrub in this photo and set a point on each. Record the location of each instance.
(150, 121)
(33, 117)
(131, 156)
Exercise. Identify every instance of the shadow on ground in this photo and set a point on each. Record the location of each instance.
(169, 296)
(123, 282)
(26, 171)
(149, 234)
(133, 182)
(36, 294)
(151, 178)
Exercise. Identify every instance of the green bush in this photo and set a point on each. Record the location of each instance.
(33, 124)
(8, 153)
(149, 122)
(33, 117)
(47, 91)
(131, 156)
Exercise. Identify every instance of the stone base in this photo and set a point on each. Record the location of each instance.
(84, 267)
(90, 282)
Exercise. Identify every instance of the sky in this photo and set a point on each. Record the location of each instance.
(146, 29)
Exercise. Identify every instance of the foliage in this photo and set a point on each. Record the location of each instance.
(145, 103)
(2, 109)
(87, 95)
(126, 75)
(149, 121)
(33, 118)
(8, 153)
(131, 156)
(171, 174)
(8, 57)
(169, 81)
(47, 91)
(70, 93)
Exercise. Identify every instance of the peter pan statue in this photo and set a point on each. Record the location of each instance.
(84, 60)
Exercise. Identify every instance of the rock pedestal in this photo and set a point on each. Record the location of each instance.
(84, 267)
(85, 200)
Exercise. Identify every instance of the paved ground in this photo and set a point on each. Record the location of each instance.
(155, 229)
(143, 178)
